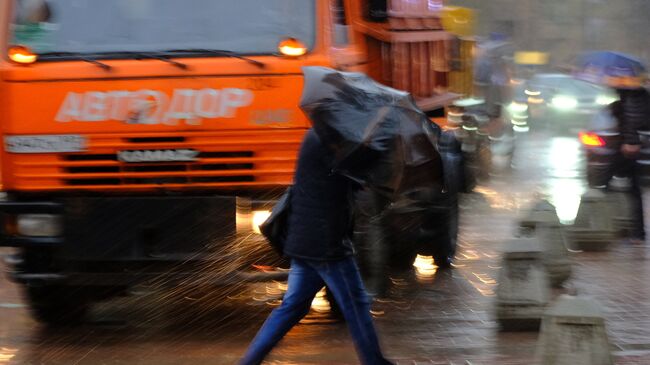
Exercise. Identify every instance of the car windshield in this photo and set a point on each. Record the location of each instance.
(113, 26)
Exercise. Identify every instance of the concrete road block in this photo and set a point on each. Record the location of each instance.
(621, 201)
(542, 211)
(554, 252)
(621, 205)
(523, 288)
(592, 230)
(573, 333)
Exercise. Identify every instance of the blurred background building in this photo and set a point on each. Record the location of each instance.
(565, 28)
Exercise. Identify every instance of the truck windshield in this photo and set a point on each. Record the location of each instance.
(248, 27)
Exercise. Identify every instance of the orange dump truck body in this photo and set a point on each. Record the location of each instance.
(245, 130)
(120, 165)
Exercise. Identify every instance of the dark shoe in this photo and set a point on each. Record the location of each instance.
(443, 263)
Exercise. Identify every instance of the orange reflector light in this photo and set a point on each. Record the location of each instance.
(292, 47)
(591, 139)
(22, 55)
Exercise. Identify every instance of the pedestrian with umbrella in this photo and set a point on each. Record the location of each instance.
(626, 75)
(364, 134)
(318, 244)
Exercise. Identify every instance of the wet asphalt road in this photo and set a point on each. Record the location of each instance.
(430, 318)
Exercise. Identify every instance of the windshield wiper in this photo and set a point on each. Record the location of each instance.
(157, 56)
(165, 56)
(217, 52)
(112, 55)
(74, 56)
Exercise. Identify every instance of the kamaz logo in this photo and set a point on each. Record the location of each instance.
(184, 155)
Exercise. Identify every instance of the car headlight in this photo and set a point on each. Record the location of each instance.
(605, 100)
(516, 107)
(39, 225)
(564, 102)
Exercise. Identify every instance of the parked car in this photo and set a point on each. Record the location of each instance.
(557, 101)
(601, 142)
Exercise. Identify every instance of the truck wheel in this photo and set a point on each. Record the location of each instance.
(58, 305)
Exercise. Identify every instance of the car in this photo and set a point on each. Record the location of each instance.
(557, 101)
(601, 142)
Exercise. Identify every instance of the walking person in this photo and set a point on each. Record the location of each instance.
(624, 168)
(321, 253)
(632, 112)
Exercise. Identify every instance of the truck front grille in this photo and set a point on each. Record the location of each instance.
(207, 161)
(225, 159)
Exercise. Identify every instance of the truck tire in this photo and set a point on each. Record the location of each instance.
(58, 305)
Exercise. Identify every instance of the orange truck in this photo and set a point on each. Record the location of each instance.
(143, 140)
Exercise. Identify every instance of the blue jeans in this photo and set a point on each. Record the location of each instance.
(306, 278)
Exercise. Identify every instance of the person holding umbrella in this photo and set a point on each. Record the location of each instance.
(633, 113)
(364, 135)
(321, 254)
(626, 75)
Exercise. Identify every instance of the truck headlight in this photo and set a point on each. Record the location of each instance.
(259, 216)
(39, 225)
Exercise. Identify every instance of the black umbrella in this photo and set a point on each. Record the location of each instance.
(377, 134)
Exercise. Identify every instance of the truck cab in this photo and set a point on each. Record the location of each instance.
(144, 141)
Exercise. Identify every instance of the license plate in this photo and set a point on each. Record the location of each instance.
(45, 144)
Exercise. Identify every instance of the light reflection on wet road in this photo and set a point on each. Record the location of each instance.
(431, 316)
